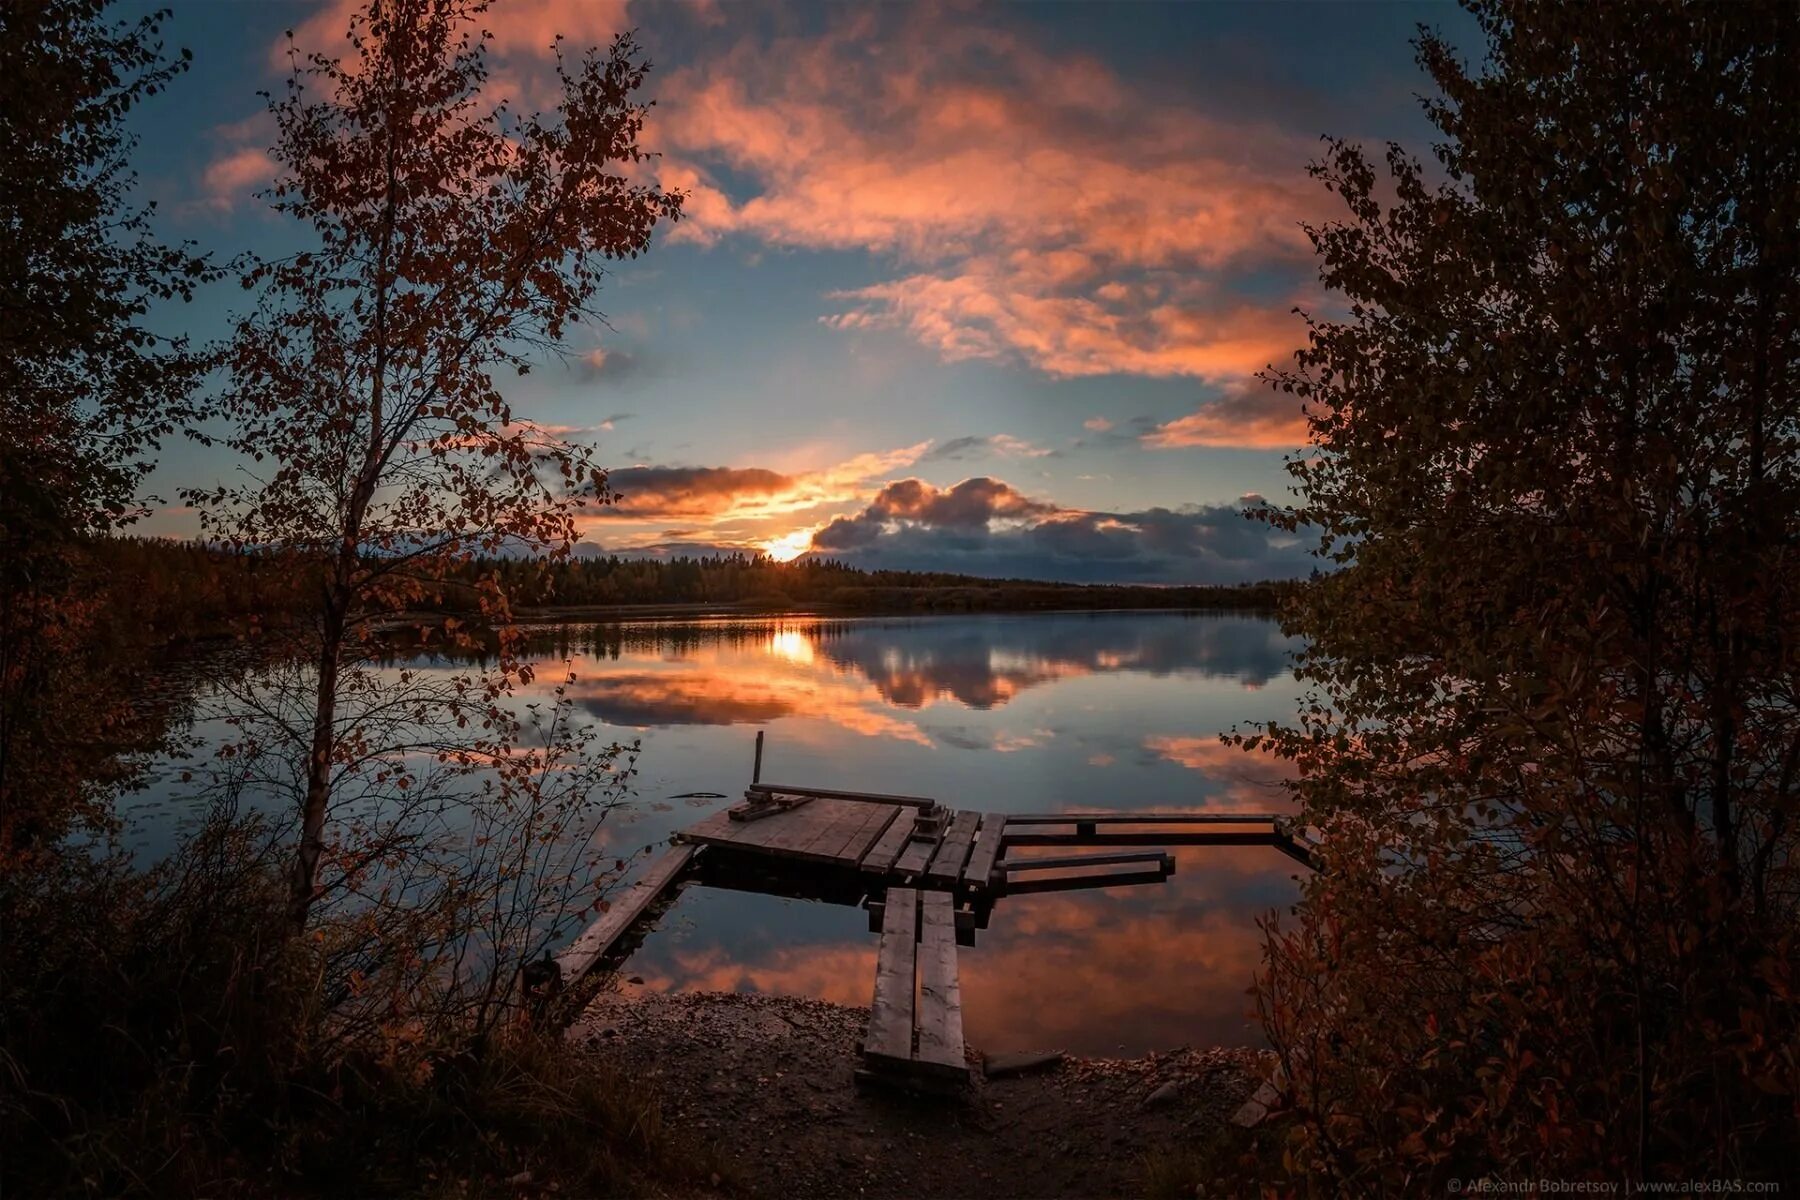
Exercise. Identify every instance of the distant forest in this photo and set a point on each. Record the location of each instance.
(186, 588)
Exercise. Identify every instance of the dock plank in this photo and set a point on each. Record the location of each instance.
(585, 951)
(890, 1034)
(886, 849)
(1016, 836)
(1111, 857)
(1103, 817)
(831, 842)
(840, 794)
(838, 822)
(947, 863)
(1078, 878)
(793, 831)
(718, 830)
(940, 993)
(826, 830)
(986, 853)
(859, 838)
(917, 853)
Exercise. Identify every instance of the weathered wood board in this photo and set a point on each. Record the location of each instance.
(887, 848)
(1110, 857)
(1072, 879)
(1017, 836)
(918, 852)
(840, 794)
(1103, 817)
(940, 994)
(890, 1035)
(585, 951)
(988, 838)
(824, 831)
(947, 863)
(858, 837)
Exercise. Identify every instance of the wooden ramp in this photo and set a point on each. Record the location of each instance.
(915, 1035)
(586, 952)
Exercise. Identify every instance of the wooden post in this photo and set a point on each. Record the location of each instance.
(756, 770)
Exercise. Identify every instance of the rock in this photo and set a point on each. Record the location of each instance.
(1250, 1115)
(1165, 1095)
(1258, 1106)
(1000, 1066)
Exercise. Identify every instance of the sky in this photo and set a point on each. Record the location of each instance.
(957, 287)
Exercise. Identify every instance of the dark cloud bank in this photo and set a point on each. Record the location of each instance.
(984, 526)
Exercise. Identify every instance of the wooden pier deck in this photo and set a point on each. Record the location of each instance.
(915, 1020)
(929, 876)
(914, 841)
(898, 839)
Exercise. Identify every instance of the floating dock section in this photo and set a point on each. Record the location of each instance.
(929, 876)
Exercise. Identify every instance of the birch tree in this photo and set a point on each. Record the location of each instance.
(452, 241)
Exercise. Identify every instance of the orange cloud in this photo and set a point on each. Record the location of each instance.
(992, 313)
(1249, 416)
(692, 491)
(234, 176)
(1060, 217)
(1055, 969)
(726, 495)
(727, 691)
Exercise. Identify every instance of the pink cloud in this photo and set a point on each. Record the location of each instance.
(1251, 416)
(235, 175)
(1044, 210)
(725, 496)
(991, 311)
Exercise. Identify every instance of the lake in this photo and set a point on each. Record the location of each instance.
(997, 712)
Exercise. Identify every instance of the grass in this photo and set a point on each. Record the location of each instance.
(1228, 1162)
(162, 1035)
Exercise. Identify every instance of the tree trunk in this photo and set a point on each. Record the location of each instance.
(318, 770)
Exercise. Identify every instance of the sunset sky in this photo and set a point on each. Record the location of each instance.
(958, 287)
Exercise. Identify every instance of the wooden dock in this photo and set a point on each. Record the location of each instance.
(913, 841)
(898, 839)
(928, 875)
(623, 913)
(915, 1020)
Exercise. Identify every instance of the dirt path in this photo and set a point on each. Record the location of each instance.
(768, 1081)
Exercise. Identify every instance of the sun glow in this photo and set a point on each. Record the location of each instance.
(789, 546)
(792, 645)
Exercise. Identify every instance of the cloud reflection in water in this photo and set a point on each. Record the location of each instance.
(996, 712)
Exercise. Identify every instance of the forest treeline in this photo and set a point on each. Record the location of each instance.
(174, 590)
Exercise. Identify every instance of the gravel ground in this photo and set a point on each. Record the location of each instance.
(768, 1081)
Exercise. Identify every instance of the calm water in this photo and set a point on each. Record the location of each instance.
(1007, 713)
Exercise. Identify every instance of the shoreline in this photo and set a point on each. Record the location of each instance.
(601, 614)
(767, 1082)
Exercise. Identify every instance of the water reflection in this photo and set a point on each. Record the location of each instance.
(1002, 713)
